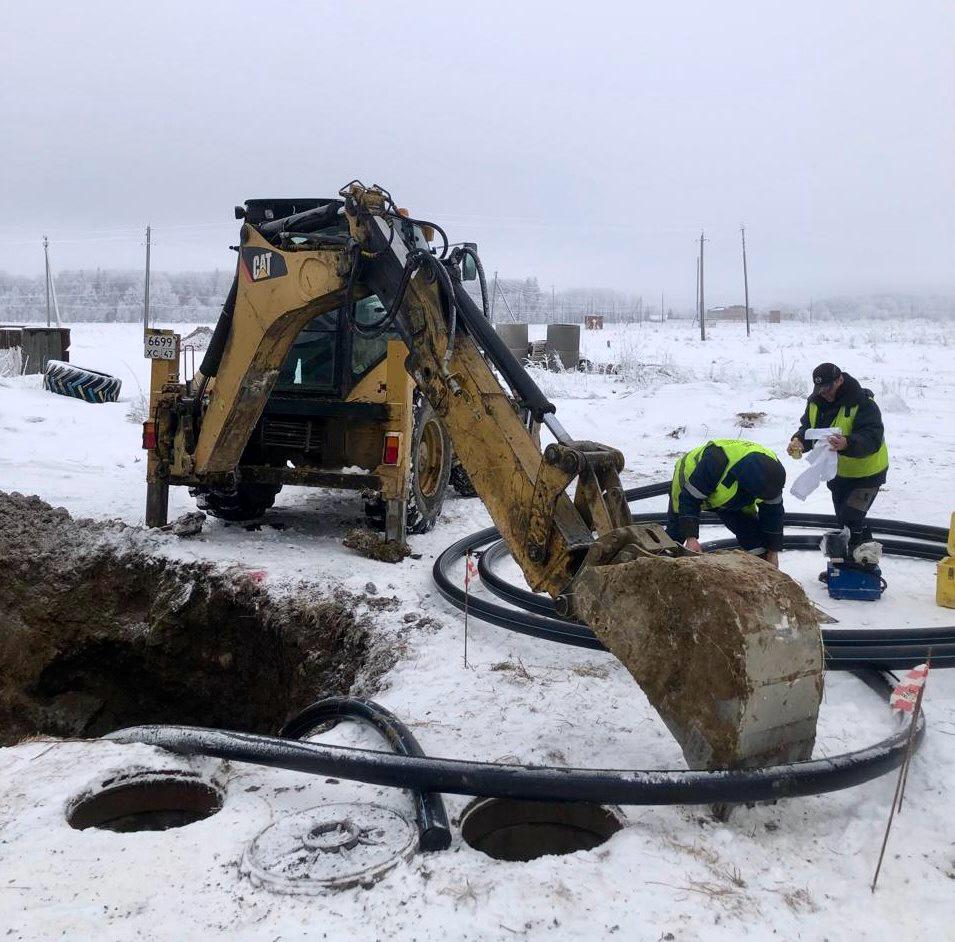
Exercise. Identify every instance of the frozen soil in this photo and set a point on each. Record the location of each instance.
(97, 633)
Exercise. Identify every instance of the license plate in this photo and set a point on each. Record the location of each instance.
(159, 347)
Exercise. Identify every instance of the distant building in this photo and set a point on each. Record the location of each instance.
(735, 312)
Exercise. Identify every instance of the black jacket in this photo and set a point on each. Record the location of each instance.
(868, 431)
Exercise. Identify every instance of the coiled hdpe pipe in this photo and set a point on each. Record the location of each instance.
(846, 649)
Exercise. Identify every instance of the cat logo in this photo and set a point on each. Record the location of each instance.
(261, 264)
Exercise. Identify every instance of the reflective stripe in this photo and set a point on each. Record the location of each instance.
(847, 467)
(695, 491)
(758, 549)
(774, 500)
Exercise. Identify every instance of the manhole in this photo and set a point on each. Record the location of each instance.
(508, 829)
(145, 801)
(334, 846)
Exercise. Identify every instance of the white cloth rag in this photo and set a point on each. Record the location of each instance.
(822, 463)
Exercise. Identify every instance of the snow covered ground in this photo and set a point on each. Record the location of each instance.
(797, 869)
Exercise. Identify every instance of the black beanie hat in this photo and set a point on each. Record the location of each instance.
(760, 475)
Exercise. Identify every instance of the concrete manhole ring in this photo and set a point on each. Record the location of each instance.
(145, 800)
(330, 847)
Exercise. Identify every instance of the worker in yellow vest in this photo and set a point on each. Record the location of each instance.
(742, 483)
(839, 401)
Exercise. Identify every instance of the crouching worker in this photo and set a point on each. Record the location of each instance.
(742, 483)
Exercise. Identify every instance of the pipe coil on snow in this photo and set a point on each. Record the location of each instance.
(846, 649)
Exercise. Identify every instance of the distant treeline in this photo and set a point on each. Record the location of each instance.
(111, 296)
(116, 296)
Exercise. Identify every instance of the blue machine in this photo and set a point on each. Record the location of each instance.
(844, 576)
(848, 581)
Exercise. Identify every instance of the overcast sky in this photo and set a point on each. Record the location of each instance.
(586, 144)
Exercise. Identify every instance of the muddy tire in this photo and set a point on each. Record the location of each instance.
(430, 471)
(244, 502)
(461, 481)
(64, 379)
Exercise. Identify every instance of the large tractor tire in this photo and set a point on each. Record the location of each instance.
(430, 471)
(244, 502)
(64, 379)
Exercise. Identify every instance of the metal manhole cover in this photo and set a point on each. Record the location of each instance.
(333, 846)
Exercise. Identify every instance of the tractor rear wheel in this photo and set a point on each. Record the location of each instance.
(430, 471)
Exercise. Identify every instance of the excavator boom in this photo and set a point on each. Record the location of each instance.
(727, 648)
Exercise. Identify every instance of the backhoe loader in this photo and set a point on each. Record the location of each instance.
(725, 646)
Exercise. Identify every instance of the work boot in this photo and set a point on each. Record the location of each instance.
(824, 576)
(868, 553)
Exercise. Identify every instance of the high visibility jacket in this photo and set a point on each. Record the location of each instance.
(847, 467)
(735, 450)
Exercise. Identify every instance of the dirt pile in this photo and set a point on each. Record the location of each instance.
(369, 544)
(97, 632)
(726, 648)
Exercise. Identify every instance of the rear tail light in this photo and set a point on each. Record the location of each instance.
(149, 435)
(392, 447)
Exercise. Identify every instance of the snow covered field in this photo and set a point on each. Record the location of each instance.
(797, 869)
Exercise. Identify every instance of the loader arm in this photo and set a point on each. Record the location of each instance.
(726, 647)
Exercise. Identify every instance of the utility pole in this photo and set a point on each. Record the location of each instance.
(702, 302)
(146, 295)
(742, 231)
(810, 312)
(46, 267)
(493, 297)
(553, 304)
(662, 309)
(696, 297)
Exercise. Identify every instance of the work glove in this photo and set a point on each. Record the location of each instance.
(795, 449)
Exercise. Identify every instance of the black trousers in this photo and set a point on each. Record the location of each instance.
(851, 501)
(745, 527)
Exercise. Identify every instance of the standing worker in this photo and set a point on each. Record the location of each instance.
(839, 401)
(742, 483)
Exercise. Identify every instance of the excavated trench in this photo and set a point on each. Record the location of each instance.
(98, 632)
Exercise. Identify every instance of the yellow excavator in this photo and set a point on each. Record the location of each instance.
(725, 646)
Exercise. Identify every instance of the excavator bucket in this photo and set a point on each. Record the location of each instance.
(726, 647)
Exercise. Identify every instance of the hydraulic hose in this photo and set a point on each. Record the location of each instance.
(486, 337)
(846, 649)
(213, 355)
(434, 831)
(542, 783)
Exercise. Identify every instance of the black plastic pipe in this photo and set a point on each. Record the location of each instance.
(434, 831)
(542, 783)
(845, 649)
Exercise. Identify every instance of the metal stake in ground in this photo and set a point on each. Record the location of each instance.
(470, 571)
(903, 769)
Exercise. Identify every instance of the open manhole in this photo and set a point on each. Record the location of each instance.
(509, 829)
(145, 801)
